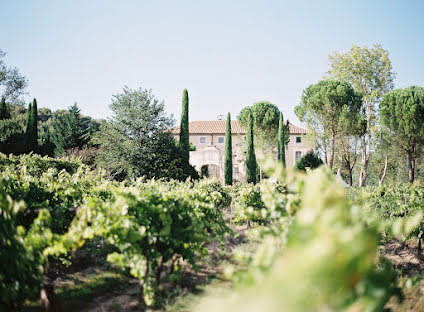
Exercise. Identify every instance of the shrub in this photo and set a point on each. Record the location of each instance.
(152, 227)
(248, 204)
(310, 160)
(87, 155)
(214, 192)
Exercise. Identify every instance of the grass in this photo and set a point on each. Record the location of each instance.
(77, 290)
(85, 286)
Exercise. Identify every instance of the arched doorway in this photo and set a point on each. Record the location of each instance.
(211, 159)
(210, 171)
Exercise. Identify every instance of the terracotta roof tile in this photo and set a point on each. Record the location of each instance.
(297, 130)
(218, 127)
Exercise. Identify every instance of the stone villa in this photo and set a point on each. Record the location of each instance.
(208, 136)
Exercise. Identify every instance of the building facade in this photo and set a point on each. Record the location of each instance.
(208, 136)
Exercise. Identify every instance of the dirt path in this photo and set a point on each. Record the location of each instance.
(190, 284)
(406, 260)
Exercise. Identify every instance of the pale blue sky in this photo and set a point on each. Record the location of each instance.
(228, 54)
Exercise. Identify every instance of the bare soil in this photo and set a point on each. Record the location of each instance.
(405, 258)
(190, 283)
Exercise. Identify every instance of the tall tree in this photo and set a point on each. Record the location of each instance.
(322, 107)
(4, 112)
(228, 168)
(370, 72)
(402, 112)
(133, 143)
(31, 135)
(351, 128)
(28, 118)
(250, 156)
(283, 136)
(265, 123)
(69, 130)
(184, 131)
(12, 83)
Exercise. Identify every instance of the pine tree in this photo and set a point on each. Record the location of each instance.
(76, 126)
(184, 131)
(69, 130)
(281, 141)
(250, 157)
(4, 112)
(228, 169)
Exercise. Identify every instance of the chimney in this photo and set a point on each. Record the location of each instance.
(220, 117)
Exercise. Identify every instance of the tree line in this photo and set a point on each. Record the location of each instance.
(358, 124)
(130, 144)
(356, 118)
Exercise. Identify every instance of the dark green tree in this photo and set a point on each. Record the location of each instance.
(4, 112)
(12, 131)
(69, 130)
(250, 156)
(310, 160)
(28, 118)
(12, 137)
(402, 112)
(31, 133)
(322, 109)
(34, 127)
(228, 153)
(283, 138)
(184, 131)
(133, 143)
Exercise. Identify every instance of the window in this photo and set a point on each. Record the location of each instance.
(220, 140)
(202, 140)
(298, 139)
(297, 155)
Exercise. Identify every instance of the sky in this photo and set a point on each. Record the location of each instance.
(228, 54)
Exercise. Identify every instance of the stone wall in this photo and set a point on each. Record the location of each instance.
(212, 153)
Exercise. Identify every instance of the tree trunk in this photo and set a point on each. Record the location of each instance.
(325, 155)
(158, 272)
(411, 166)
(333, 139)
(383, 176)
(142, 284)
(366, 147)
(172, 267)
(48, 297)
(364, 164)
(349, 170)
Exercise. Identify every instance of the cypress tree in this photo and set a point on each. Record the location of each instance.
(34, 120)
(250, 157)
(228, 169)
(32, 128)
(184, 131)
(28, 128)
(281, 141)
(4, 113)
